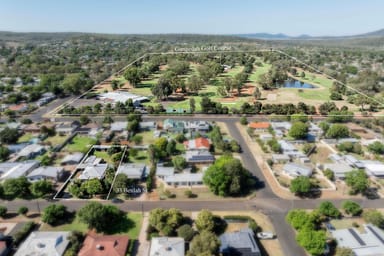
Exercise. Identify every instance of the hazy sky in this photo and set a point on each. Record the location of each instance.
(293, 17)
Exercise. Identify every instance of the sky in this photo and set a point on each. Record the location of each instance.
(292, 17)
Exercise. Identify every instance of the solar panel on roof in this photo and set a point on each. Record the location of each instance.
(376, 234)
(356, 236)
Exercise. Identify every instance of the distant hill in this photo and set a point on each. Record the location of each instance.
(281, 36)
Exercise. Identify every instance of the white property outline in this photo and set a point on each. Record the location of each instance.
(54, 113)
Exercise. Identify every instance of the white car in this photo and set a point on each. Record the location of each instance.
(265, 235)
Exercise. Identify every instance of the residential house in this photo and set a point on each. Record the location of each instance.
(174, 126)
(185, 179)
(31, 151)
(9, 170)
(259, 126)
(72, 159)
(163, 172)
(266, 137)
(132, 170)
(350, 140)
(315, 130)
(44, 243)
(122, 96)
(280, 128)
(295, 170)
(339, 169)
(118, 126)
(280, 158)
(373, 168)
(32, 128)
(147, 126)
(199, 157)
(104, 245)
(353, 161)
(16, 148)
(367, 243)
(19, 108)
(94, 168)
(67, 127)
(46, 173)
(335, 158)
(197, 126)
(90, 129)
(241, 243)
(167, 246)
(200, 144)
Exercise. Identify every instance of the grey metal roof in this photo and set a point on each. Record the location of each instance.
(238, 241)
(294, 169)
(133, 171)
(18, 169)
(45, 171)
(368, 243)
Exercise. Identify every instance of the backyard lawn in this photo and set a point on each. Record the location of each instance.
(56, 140)
(80, 144)
(104, 155)
(25, 138)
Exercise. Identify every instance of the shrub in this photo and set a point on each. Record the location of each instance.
(24, 232)
(3, 211)
(22, 210)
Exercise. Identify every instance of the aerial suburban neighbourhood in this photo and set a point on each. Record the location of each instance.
(176, 143)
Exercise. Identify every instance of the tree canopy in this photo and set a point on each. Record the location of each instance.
(299, 130)
(205, 243)
(357, 180)
(228, 177)
(301, 185)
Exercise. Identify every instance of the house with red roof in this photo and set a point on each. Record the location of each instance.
(20, 108)
(260, 126)
(200, 144)
(101, 245)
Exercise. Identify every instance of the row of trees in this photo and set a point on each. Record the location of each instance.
(22, 188)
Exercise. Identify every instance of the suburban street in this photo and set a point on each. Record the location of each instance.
(265, 201)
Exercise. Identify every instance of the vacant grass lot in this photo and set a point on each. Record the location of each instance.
(80, 144)
(25, 138)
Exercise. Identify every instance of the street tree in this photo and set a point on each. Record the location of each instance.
(228, 177)
(301, 185)
(327, 208)
(53, 214)
(299, 130)
(100, 217)
(41, 188)
(352, 208)
(337, 131)
(357, 180)
(205, 221)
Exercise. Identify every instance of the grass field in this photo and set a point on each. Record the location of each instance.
(80, 144)
(104, 155)
(142, 157)
(25, 138)
(258, 71)
(56, 140)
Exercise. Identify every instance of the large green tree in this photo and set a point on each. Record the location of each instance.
(374, 216)
(100, 217)
(133, 75)
(301, 185)
(205, 221)
(54, 213)
(228, 177)
(205, 243)
(327, 208)
(357, 180)
(351, 207)
(18, 187)
(165, 221)
(337, 131)
(299, 130)
(41, 188)
(313, 241)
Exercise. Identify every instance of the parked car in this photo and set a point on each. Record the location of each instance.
(265, 235)
(117, 200)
